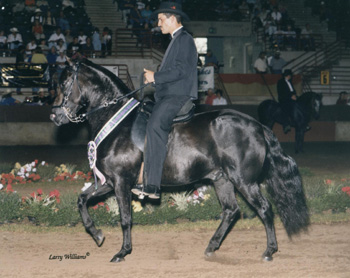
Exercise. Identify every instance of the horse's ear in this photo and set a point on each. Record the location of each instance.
(69, 61)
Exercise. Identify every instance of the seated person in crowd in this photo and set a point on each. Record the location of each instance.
(55, 37)
(38, 31)
(14, 40)
(37, 16)
(7, 99)
(260, 64)
(49, 22)
(38, 57)
(30, 47)
(210, 97)
(277, 63)
(74, 47)
(62, 22)
(219, 100)
(3, 40)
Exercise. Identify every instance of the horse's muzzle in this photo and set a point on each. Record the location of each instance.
(54, 118)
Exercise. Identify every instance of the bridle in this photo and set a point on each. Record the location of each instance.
(73, 117)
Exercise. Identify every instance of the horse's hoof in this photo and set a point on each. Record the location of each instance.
(116, 259)
(99, 238)
(267, 258)
(209, 254)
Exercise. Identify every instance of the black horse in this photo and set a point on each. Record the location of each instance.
(227, 148)
(307, 106)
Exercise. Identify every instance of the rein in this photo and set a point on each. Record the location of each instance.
(82, 117)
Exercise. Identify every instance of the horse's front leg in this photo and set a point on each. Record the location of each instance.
(299, 139)
(123, 194)
(83, 199)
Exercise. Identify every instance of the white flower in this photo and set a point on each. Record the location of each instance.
(34, 170)
(32, 164)
(27, 175)
(1, 186)
(42, 163)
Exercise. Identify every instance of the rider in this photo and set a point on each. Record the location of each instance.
(287, 98)
(175, 84)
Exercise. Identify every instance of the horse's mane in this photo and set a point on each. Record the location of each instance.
(105, 74)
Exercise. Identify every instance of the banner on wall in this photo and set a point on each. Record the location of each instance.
(205, 78)
(24, 75)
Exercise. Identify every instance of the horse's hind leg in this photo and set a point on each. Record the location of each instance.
(255, 198)
(225, 193)
(89, 225)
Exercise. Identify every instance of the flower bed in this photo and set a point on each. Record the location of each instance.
(50, 207)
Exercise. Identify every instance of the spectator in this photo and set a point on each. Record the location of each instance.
(307, 40)
(30, 6)
(55, 37)
(343, 98)
(38, 57)
(14, 39)
(38, 31)
(62, 22)
(61, 46)
(51, 59)
(44, 47)
(88, 48)
(276, 15)
(277, 63)
(290, 37)
(278, 38)
(219, 100)
(50, 99)
(73, 47)
(31, 46)
(40, 99)
(96, 41)
(18, 7)
(125, 7)
(82, 38)
(69, 37)
(244, 10)
(49, 22)
(61, 63)
(37, 16)
(52, 56)
(106, 42)
(211, 60)
(269, 25)
(7, 99)
(260, 64)
(210, 97)
(3, 42)
(146, 14)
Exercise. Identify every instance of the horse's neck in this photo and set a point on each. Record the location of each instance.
(98, 119)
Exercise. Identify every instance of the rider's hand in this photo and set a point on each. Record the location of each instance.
(149, 76)
(294, 97)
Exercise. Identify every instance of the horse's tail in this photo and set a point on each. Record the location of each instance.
(284, 185)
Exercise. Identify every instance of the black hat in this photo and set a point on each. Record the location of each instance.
(171, 7)
(287, 72)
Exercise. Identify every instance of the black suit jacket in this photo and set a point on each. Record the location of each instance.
(178, 72)
(283, 91)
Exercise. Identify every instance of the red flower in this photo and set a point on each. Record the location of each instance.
(40, 192)
(101, 204)
(95, 207)
(107, 208)
(9, 188)
(55, 193)
(36, 161)
(346, 190)
(33, 195)
(328, 181)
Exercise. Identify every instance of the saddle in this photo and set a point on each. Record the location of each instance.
(138, 129)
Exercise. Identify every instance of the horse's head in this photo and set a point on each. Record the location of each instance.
(84, 84)
(69, 98)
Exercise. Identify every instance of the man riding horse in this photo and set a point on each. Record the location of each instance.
(287, 98)
(176, 84)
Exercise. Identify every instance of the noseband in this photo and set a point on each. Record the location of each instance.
(82, 117)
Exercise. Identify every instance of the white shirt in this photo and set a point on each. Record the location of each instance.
(219, 101)
(54, 37)
(13, 38)
(172, 35)
(260, 65)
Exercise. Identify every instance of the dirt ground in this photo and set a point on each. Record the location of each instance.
(323, 252)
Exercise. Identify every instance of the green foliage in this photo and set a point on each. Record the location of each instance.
(5, 168)
(46, 171)
(10, 205)
(323, 195)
